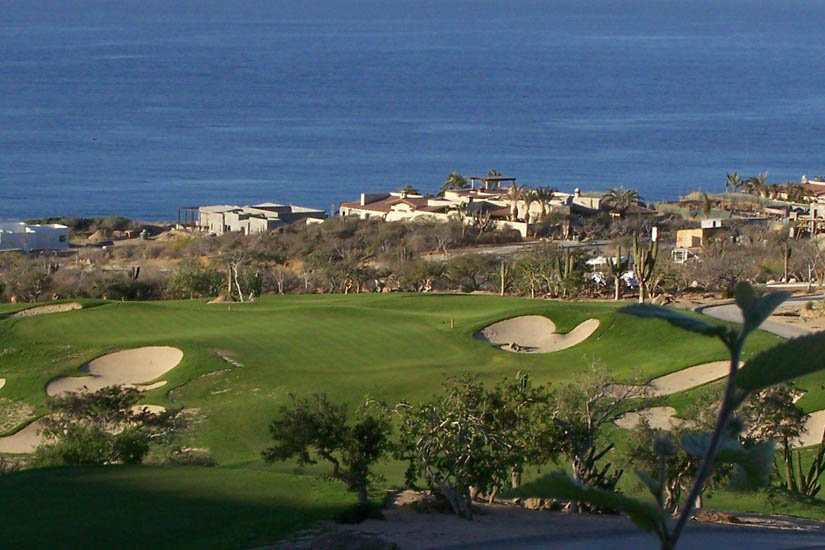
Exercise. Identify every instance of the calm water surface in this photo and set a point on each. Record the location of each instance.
(137, 108)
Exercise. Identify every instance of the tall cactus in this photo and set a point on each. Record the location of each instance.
(616, 268)
(565, 262)
(786, 252)
(565, 265)
(644, 260)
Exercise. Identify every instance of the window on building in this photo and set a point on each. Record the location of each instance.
(62, 238)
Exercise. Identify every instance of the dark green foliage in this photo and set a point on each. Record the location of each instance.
(782, 363)
(470, 439)
(358, 513)
(104, 427)
(314, 426)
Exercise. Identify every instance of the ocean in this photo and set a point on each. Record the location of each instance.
(139, 107)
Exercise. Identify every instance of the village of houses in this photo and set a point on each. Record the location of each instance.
(493, 199)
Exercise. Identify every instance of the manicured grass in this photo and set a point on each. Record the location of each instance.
(389, 346)
(160, 508)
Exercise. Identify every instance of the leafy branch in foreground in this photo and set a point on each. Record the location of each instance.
(752, 465)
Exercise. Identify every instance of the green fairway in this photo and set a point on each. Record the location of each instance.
(388, 346)
(391, 347)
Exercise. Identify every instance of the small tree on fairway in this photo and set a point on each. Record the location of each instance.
(317, 426)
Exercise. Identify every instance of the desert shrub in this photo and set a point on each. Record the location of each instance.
(78, 445)
(103, 427)
(192, 279)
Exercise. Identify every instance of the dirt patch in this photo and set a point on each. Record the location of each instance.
(534, 334)
(41, 310)
(13, 413)
(133, 368)
(659, 418)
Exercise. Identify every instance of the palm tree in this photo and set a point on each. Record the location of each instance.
(733, 181)
(757, 184)
(773, 191)
(516, 194)
(454, 181)
(620, 198)
(409, 190)
(797, 193)
(544, 195)
(529, 197)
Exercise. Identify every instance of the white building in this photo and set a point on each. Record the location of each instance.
(25, 237)
(259, 218)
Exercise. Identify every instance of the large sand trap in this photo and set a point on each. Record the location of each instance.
(40, 310)
(659, 418)
(131, 367)
(534, 334)
(24, 441)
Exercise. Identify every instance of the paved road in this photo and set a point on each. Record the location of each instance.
(729, 312)
(696, 537)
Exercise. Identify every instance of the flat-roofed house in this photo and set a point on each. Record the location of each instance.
(29, 237)
(258, 218)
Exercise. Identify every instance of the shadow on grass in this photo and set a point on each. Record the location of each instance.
(160, 507)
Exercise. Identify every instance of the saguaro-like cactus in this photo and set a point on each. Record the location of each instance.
(644, 260)
(616, 268)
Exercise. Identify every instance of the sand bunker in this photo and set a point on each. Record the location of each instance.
(684, 379)
(2, 383)
(815, 424)
(28, 439)
(40, 310)
(24, 441)
(534, 334)
(659, 418)
(132, 367)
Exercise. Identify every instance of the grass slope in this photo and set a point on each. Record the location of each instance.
(393, 347)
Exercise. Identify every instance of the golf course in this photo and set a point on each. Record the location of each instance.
(240, 362)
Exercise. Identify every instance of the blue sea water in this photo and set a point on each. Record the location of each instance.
(138, 107)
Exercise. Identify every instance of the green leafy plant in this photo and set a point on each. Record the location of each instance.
(471, 440)
(104, 427)
(752, 465)
(315, 426)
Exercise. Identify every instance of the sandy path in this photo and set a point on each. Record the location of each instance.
(535, 334)
(40, 310)
(131, 367)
